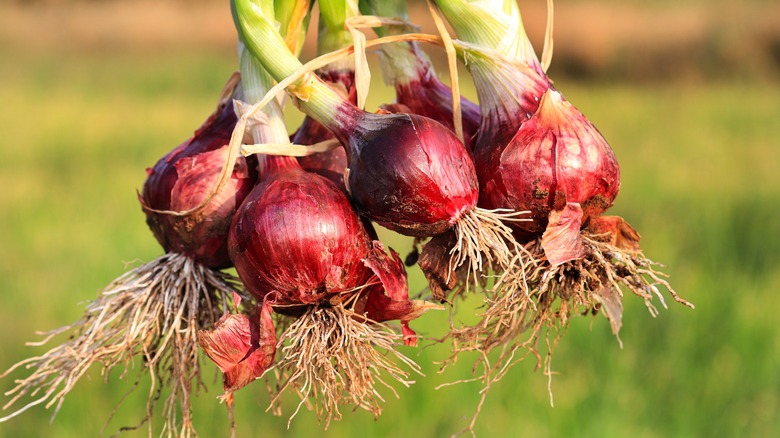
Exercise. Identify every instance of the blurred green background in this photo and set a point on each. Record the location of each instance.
(688, 95)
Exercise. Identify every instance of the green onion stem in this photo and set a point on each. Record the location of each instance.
(332, 34)
(295, 13)
(401, 62)
(496, 24)
(256, 26)
(256, 82)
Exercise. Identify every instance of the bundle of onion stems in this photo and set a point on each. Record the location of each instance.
(506, 199)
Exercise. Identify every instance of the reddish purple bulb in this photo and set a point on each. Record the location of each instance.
(408, 173)
(297, 237)
(556, 157)
(184, 178)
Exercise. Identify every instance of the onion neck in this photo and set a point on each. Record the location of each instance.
(256, 82)
(495, 24)
(312, 95)
(384, 8)
(509, 91)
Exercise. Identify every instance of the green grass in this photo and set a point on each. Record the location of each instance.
(699, 171)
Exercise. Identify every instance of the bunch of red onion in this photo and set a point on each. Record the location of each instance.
(155, 310)
(516, 188)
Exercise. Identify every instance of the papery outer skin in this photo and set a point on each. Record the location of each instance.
(561, 240)
(615, 231)
(408, 173)
(329, 164)
(241, 347)
(611, 302)
(297, 239)
(390, 299)
(555, 158)
(434, 262)
(183, 179)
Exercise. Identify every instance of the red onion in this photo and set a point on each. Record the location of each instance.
(297, 237)
(297, 241)
(556, 157)
(535, 151)
(297, 244)
(182, 180)
(407, 172)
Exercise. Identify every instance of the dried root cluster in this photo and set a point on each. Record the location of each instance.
(331, 356)
(532, 299)
(151, 314)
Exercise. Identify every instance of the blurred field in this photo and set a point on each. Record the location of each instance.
(699, 160)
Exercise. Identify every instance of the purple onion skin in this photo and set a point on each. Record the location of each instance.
(329, 164)
(408, 173)
(429, 97)
(501, 121)
(297, 239)
(183, 178)
(556, 157)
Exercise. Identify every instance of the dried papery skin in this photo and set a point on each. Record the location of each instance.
(615, 230)
(561, 239)
(435, 264)
(243, 347)
(556, 157)
(389, 300)
(151, 312)
(184, 178)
